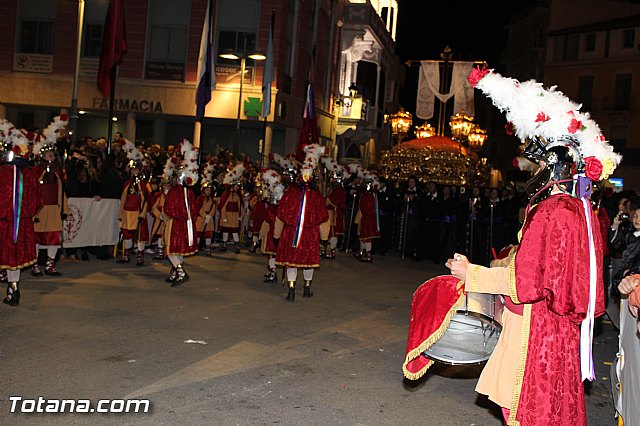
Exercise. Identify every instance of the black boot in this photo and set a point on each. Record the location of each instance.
(307, 289)
(181, 276)
(126, 257)
(13, 295)
(140, 258)
(291, 295)
(50, 267)
(172, 275)
(35, 270)
(159, 253)
(3, 275)
(236, 248)
(270, 276)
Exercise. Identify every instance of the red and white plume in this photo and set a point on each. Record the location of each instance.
(189, 166)
(235, 175)
(50, 133)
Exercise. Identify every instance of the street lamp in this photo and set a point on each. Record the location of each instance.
(400, 123)
(233, 55)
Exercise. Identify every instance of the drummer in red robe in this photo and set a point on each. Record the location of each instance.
(273, 191)
(180, 212)
(336, 203)
(134, 204)
(367, 218)
(205, 206)
(553, 284)
(302, 222)
(48, 220)
(230, 208)
(19, 201)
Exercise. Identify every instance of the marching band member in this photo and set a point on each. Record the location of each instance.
(230, 208)
(273, 191)
(336, 204)
(20, 196)
(132, 213)
(368, 218)
(157, 206)
(302, 221)
(48, 220)
(180, 212)
(205, 205)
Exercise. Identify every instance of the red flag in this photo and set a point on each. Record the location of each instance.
(309, 128)
(114, 45)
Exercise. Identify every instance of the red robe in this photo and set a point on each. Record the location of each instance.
(176, 232)
(337, 202)
(369, 227)
(307, 254)
(135, 202)
(22, 253)
(268, 246)
(552, 280)
(257, 216)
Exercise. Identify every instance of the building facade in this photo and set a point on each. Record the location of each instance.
(593, 58)
(155, 89)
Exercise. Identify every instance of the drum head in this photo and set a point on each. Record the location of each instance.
(470, 339)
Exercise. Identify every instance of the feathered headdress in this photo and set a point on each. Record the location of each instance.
(312, 154)
(189, 167)
(206, 180)
(168, 173)
(132, 153)
(270, 178)
(48, 139)
(355, 169)
(548, 115)
(285, 163)
(235, 175)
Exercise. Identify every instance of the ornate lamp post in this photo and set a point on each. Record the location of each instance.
(400, 124)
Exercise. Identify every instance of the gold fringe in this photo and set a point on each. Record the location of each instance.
(17, 268)
(430, 341)
(524, 349)
(297, 265)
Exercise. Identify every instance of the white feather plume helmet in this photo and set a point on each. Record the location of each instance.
(285, 163)
(355, 169)
(188, 174)
(207, 174)
(49, 136)
(169, 170)
(235, 175)
(131, 151)
(270, 178)
(6, 128)
(547, 114)
(312, 154)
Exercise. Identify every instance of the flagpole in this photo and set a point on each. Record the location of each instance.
(74, 100)
(114, 73)
(267, 78)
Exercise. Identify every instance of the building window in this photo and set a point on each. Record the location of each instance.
(622, 100)
(618, 137)
(95, 12)
(628, 38)
(36, 30)
(236, 41)
(168, 44)
(167, 48)
(585, 92)
(590, 42)
(573, 47)
(92, 42)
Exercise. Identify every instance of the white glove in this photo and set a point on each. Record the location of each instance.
(207, 219)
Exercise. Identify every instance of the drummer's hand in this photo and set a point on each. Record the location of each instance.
(633, 310)
(628, 284)
(458, 266)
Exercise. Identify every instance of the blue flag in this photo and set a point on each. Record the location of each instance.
(206, 74)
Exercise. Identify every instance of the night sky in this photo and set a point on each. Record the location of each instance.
(474, 30)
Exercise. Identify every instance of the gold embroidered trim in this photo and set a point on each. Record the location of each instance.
(17, 268)
(513, 291)
(297, 265)
(430, 341)
(474, 279)
(524, 349)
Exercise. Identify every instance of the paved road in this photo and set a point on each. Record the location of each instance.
(118, 331)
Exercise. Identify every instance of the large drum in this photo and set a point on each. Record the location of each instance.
(473, 332)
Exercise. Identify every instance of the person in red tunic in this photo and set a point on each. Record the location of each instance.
(20, 200)
(272, 193)
(205, 206)
(230, 208)
(302, 222)
(180, 212)
(336, 203)
(48, 220)
(256, 206)
(134, 204)
(553, 285)
(367, 218)
(157, 206)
